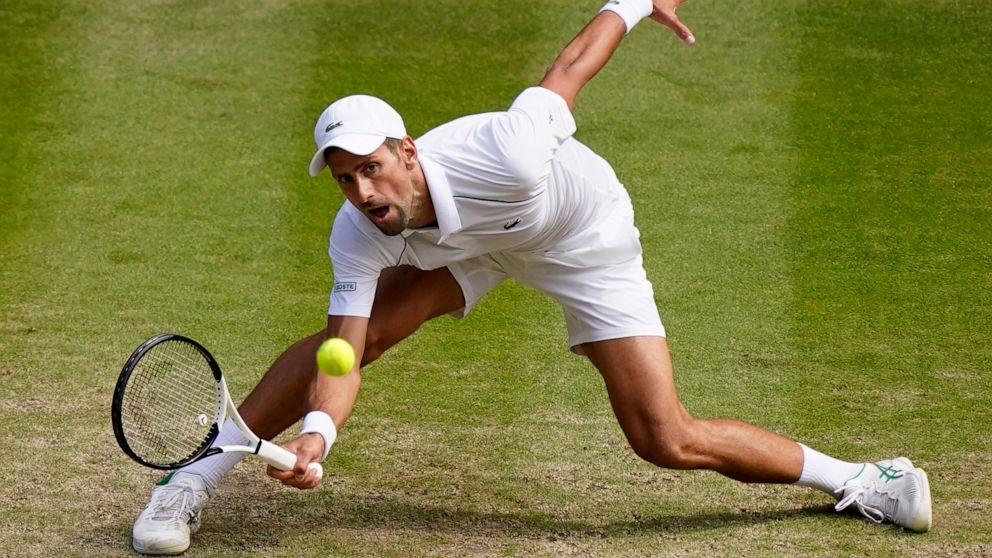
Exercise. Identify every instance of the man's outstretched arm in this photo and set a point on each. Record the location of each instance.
(592, 48)
(332, 395)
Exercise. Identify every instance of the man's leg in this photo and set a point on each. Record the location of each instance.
(641, 386)
(405, 298)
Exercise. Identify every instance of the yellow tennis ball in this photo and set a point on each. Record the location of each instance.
(335, 356)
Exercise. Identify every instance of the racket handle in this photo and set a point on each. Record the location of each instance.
(283, 459)
(318, 469)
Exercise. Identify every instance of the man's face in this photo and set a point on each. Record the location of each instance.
(379, 184)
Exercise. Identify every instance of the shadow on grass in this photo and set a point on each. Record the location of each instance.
(402, 514)
(269, 519)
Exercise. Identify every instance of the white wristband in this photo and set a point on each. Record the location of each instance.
(631, 11)
(320, 423)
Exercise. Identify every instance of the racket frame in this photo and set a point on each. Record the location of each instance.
(272, 454)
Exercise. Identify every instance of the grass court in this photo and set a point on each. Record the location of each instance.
(812, 182)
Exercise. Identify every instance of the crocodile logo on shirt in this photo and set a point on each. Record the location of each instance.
(510, 224)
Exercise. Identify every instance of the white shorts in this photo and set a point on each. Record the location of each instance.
(604, 292)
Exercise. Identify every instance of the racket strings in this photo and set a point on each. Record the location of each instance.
(170, 404)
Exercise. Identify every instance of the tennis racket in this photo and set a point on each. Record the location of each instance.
(170, 402)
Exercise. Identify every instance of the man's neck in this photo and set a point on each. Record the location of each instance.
(423, 210)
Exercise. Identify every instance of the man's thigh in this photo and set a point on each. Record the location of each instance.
(637, 370)
(641, 385)
(405, 298)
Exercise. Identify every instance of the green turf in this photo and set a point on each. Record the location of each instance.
(811, 182)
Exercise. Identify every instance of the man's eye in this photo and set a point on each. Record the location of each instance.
(372, 167)
(344, 179)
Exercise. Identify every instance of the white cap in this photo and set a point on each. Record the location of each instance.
(358, 124)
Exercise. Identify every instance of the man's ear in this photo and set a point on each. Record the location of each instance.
(409, 151)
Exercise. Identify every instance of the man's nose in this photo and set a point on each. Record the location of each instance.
(365, 188)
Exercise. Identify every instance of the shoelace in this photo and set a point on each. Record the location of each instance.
(171, 502)
(857, 497)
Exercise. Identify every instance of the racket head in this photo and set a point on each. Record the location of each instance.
(169, 402)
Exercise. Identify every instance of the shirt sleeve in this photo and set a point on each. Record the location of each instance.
(530, 132)
(510, 150)
(548, 112)
(358, 256)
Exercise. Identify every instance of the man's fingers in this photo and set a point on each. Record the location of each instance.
(306, 472)
(672, 21)
(278, 474)
(309, 478)
(304, 475)
(300, 469)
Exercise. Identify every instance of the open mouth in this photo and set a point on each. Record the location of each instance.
(379, 212)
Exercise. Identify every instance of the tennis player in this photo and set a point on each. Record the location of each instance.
(431, 225)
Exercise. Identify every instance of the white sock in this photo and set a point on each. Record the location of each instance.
(825, 473)
(212, 468)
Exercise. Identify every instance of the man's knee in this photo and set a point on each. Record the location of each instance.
(377, 340)
(672, 446)
(407, 297)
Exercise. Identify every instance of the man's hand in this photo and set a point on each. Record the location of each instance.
(308, 448)
(664, 13)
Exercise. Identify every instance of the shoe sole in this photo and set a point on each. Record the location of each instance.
(925, 505)
(926, 509)
(177, 548)
(164, 551)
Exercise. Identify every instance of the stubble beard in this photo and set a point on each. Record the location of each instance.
(397, 225)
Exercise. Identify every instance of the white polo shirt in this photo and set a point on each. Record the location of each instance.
(513, 181)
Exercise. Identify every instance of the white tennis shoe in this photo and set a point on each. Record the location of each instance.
(171, 516)
(890, 490)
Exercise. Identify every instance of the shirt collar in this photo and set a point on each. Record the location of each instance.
(448, 221)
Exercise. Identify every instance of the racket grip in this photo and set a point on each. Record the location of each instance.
(283, 459)
(318, 469)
